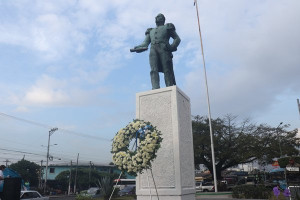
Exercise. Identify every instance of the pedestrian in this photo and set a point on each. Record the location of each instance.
(2, 167)
(27, 185)
(287, 193)
(276, 191)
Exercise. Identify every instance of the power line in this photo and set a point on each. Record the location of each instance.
(21, 152)
(54, 151)
(49, 127)
(62, 157)
(56, 154)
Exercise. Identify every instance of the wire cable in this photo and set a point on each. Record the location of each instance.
(49, 127)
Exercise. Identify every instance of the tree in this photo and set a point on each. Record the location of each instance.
(29, 171)
(239, 142)
(283, 162)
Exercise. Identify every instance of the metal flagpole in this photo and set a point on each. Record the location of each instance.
(298, 106)
(208, 105)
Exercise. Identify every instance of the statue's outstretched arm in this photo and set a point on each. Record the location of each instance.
(144, 46)
(146, 42)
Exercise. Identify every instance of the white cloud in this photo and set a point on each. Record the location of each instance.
(46, 91)
(259, 48)
(21, 109)
(49, 91)
(251, 48)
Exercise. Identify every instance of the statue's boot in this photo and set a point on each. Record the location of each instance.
(154, 80)
(169, 78)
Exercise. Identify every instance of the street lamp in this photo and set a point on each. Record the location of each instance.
(49, 145)
(50, 133)
(279, 138)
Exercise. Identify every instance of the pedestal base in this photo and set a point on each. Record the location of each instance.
(173, 170)
(154, 197)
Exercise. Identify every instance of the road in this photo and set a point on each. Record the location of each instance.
(63, 198)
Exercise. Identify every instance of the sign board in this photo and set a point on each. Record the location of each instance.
(275, 164)
(295, 190)
(292, 169)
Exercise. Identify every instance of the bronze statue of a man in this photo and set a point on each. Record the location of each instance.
(161, 50)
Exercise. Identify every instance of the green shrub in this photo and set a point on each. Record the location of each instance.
(106, 184)
(83, 197)
(251, 192)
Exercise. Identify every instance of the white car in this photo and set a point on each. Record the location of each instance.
(205, 186)
(34, 195)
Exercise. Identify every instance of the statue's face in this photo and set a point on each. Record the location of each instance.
(160, 19)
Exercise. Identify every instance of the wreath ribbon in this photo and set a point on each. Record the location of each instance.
(141, 133)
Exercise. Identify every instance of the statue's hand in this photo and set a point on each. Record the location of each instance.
(138, 49)
(171, 48)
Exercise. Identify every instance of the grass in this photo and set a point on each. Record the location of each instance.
(280, 197)
(129, 197)
(212, 193)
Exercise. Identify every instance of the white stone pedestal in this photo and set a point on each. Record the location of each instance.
(173, 169)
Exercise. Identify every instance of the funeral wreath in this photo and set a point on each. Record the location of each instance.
(144, 138)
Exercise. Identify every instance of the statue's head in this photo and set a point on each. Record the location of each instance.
(160, 19)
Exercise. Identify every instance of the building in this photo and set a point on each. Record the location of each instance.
(54, 170)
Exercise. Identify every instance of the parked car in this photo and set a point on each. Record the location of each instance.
(92, 192)
(129, 189)
(205, 187)
(31, 194)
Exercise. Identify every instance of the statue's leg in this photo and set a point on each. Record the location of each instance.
(167, 64)
(153, 58)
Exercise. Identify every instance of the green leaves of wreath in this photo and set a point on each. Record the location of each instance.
(147, 141)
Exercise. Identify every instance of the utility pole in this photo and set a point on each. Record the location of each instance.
(279, 138)
(6, 161)
(41, 168)
(90, 174)
(76, 173)
(70, 178)
(50, 133)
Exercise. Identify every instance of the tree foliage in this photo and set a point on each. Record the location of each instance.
(238, 142)
(29, 171)
(283, 162)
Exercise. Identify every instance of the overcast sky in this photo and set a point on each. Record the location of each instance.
(66, 64)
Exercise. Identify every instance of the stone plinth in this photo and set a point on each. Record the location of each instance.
(173, 170)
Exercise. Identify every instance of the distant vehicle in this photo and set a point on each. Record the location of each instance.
(92, 192)
(124, 182)
(128, 190)
(250, 180)
(205, 187)
(32, 195)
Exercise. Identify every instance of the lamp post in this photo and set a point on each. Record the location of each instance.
(50, 133)
(279, 138)
(49, 145)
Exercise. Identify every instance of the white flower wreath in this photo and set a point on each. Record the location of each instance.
(135, 161)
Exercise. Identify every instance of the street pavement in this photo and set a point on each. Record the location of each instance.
(62, 198)
(212, 195)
